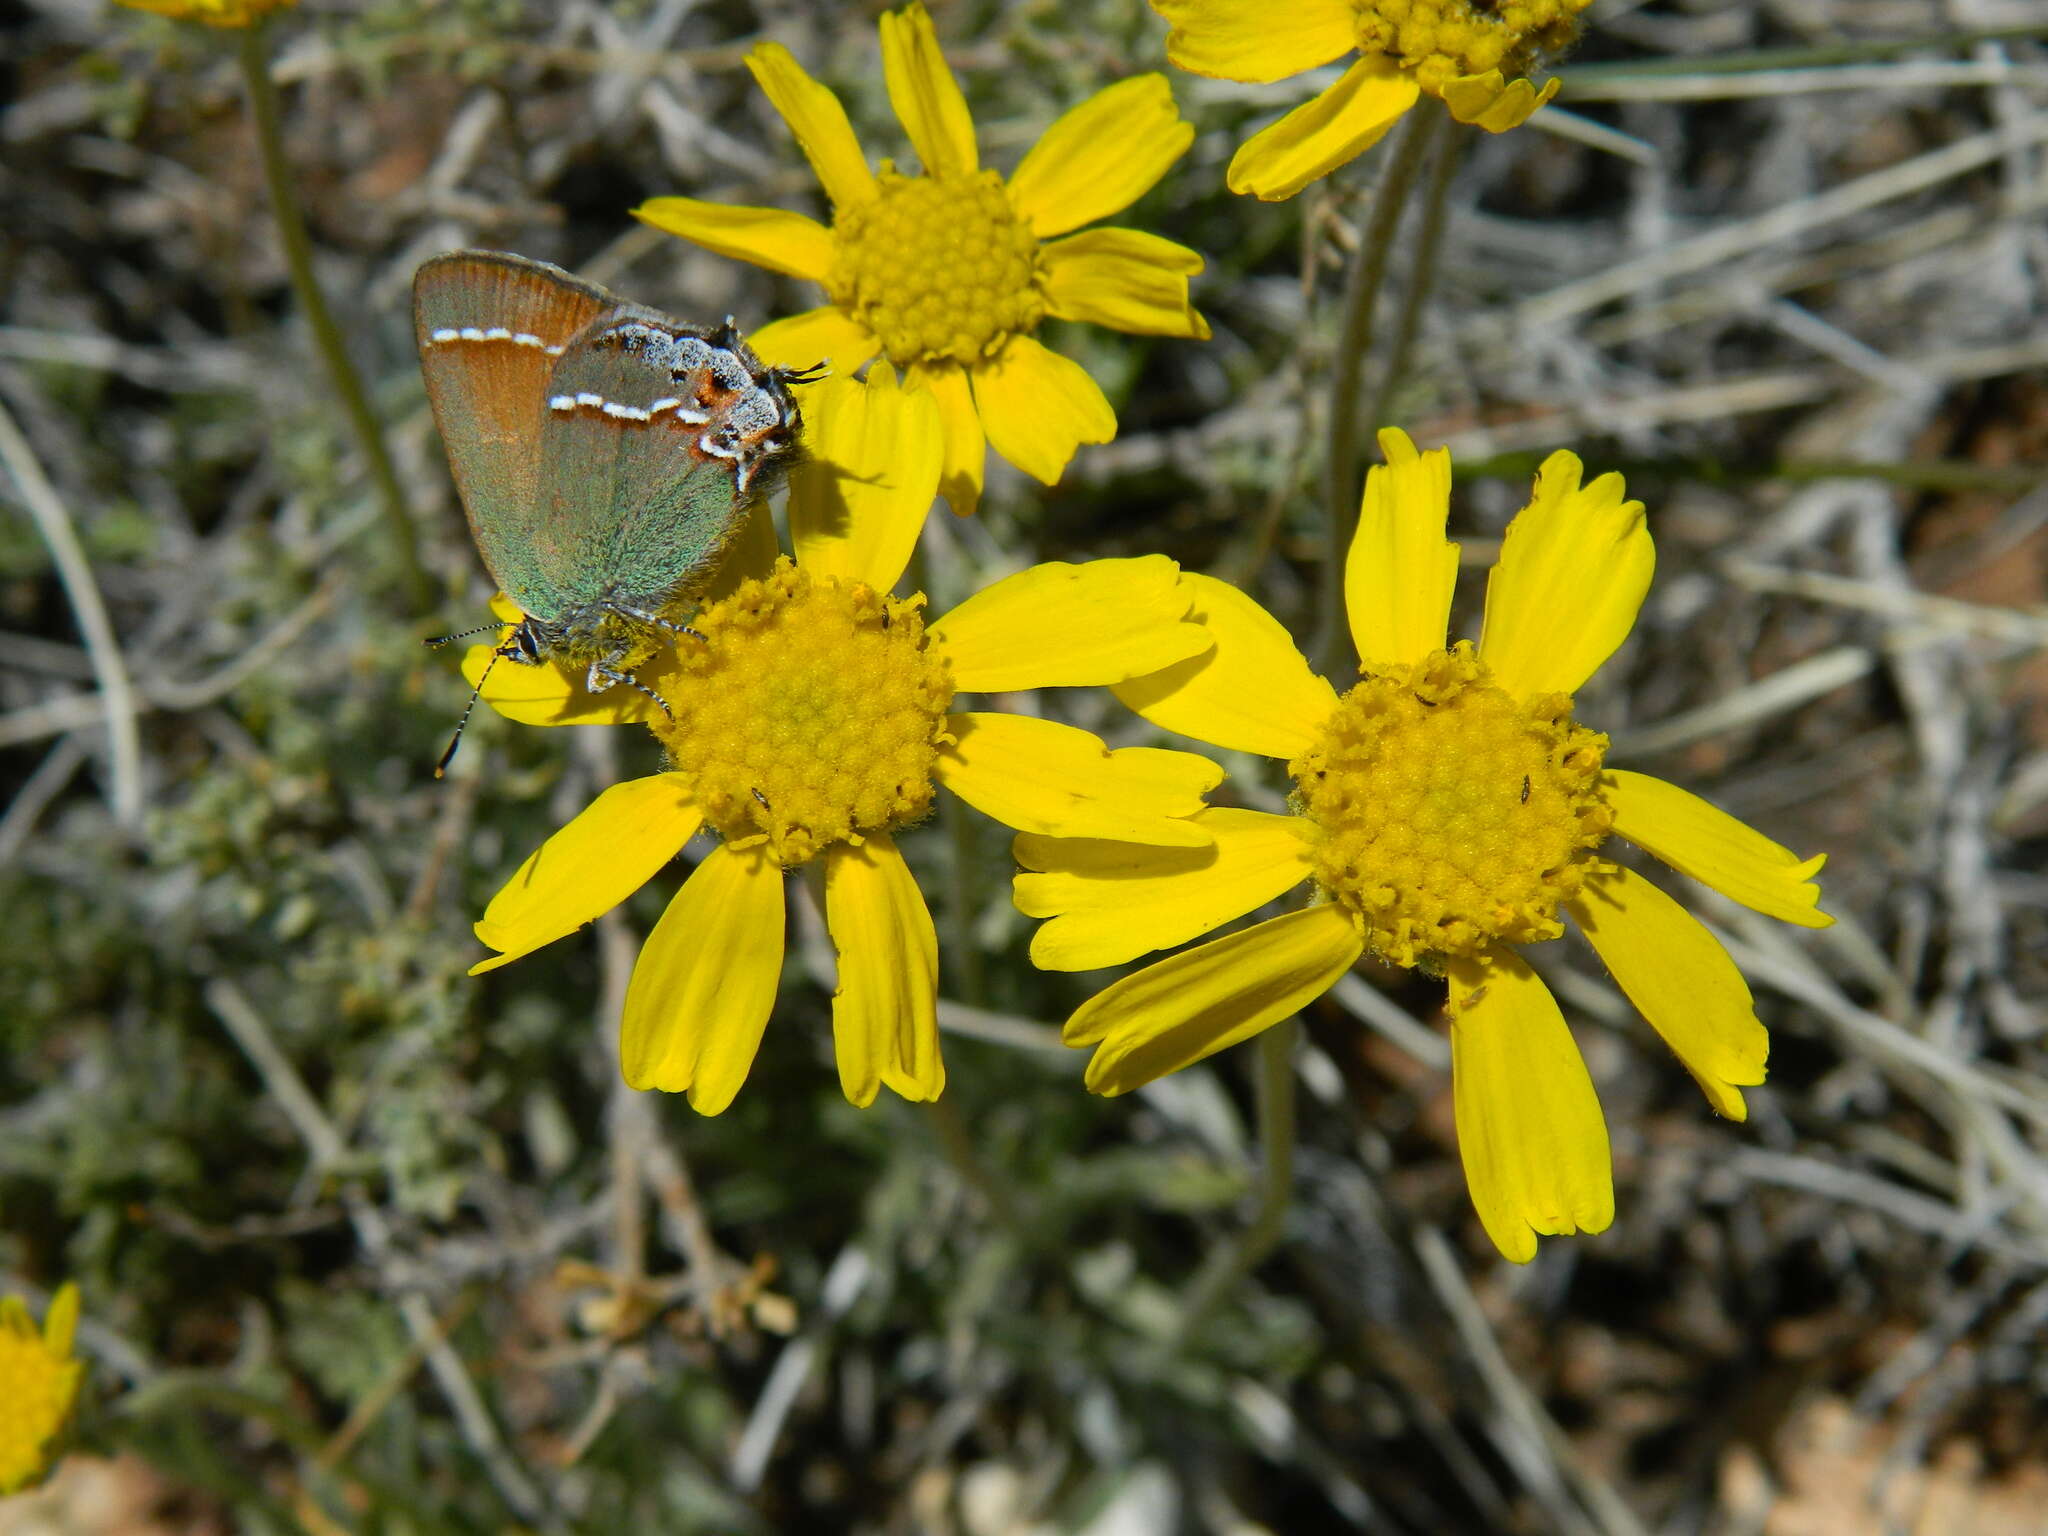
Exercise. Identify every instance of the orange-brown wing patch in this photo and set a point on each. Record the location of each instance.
(490, 328)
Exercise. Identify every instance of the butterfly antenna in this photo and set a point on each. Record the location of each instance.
(441, 768)
(461, 634)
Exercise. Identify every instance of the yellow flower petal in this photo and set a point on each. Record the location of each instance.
(1254, 692)
(1705, 842)
(751, 557)
(1400, 572)
(1681, 980)
(822, 335)
(1469, 96)
(1125, 280)
(924, 93)
(966, 445)
(1530, 1132)
(1111, 902)
(60, 1322)
(767, 237)
(1255, 40)
(1488, 102)
(1571, 577)
(38, 1385)
(225, 14)
(612, 848)
(548, 694)
(1191, 1005)
(858, 501)
(1101, 156)
(1324, 132)
(748, 558)
(1041, 776)
(1038, 407)
(819, 122)
(1069, 626)
(702, 991)
(885, 1017)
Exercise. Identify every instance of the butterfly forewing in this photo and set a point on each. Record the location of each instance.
(492, 329)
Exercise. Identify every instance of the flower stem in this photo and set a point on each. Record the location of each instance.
(1226, 1268)
(958, 1145)
(963, 948)
(298, 256)
(1422, 273)
(1354, 339)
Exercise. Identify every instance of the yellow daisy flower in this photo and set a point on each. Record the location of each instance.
(1471, 53)
(813, 718)
(949, 272)
(38, 1385)
(1447, 809)
(215, 13)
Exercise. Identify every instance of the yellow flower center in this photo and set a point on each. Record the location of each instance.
(1448, 815)
(812, 713)
(1444, 40)
(36, 1392)
(940, 268)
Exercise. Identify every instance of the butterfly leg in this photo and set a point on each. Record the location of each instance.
(654, 618)
(603, 674)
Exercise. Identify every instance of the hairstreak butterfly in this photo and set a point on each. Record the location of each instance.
(604, 452)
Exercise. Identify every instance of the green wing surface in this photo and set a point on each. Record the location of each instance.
(491, 329)
(631, 508)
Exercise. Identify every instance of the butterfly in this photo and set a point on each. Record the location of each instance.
(605, 453)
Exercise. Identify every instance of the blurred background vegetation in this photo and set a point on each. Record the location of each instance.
(366, 1245)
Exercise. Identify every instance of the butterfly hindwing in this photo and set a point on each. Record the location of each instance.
(640, 459)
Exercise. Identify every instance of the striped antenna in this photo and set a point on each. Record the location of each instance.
(441, 768)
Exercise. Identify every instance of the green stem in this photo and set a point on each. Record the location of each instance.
(1226, 1268)
(1354, 340)
(1421, 274)
(298, 256)
(969, 979)
(958, 1145)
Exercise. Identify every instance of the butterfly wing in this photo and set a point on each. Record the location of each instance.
(654, 431)
(491, 328)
